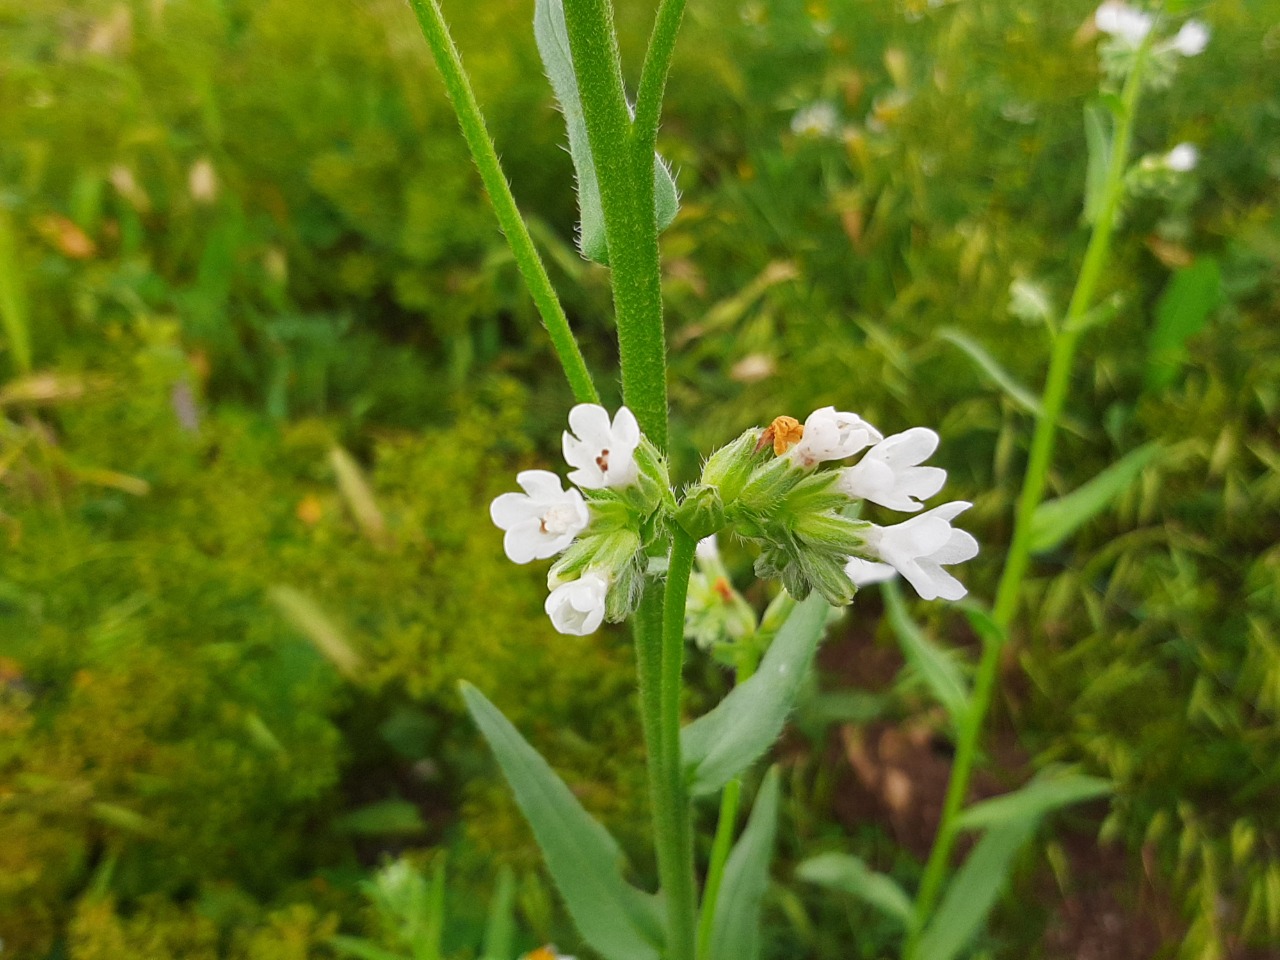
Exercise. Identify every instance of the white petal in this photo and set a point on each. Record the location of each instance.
(590, 422)
(582, 455)
(909, 447)
(948, 511)
(960, 547)
(509, 509)
(866, 572)
(541, 485)
(626, 430)
(920, 581)
(921, 483)
(942, 584)
(522, 541)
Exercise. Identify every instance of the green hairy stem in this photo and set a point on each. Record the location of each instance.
(513, 226)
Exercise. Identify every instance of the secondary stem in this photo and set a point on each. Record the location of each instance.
(675, 840)
(1035, 480)
(513, 226)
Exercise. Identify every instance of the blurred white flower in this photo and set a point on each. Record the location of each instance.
(815, 120)
(1191, 39)
(832, 435)
(1123, 22)
(540, 522)
(577, 607)
(890, 474)
(1182, 158)
(602, 453)
(202, 181)
(920, 547)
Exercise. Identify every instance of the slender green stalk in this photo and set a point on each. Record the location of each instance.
(653, 77)
(1035, 480)
(720, 848)
(625, 176)
(675, 840)
(513, 226)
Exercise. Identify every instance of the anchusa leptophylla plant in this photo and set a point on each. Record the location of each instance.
(622, 540)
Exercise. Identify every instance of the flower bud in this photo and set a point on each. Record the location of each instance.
(730, 467)
(701, 513)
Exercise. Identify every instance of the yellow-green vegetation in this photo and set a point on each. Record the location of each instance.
(266, 360)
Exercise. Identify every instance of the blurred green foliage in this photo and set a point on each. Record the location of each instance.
(237, 236)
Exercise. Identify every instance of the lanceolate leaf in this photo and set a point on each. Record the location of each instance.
(1184, 309)
(1055, 520)
(735, 931)
(989, 365)
(848, 874)
(974, 889)
(722, 743)
(1037, 799)
(936, 668)
(1097, 134)
(584, 860)
(552, 37)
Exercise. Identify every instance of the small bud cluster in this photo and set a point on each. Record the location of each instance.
(1127, 28)
(770, 487)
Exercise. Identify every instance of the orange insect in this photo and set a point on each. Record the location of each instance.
(784, 433)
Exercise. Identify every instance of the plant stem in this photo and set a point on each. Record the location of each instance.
(653, 77)
(1035, 480)
(720, 849)
(625, 176)
(675, 828)
(513, 226)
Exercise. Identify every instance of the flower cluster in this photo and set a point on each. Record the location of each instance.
(1128, 30)
(602, 526)
(770, 487)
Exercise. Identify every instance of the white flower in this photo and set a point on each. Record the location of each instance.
(543, 520)
(889, 473)
(708, 549)
(1123, 22)
(816, 120)
(1182, 158)
(832, 435)
(919, 548)
(1191, 40)
(603, 454)
(577, 607)
(863, 573)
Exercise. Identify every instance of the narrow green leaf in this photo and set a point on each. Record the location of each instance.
(384, 818)
(1184, 308)
(1055, 520)
(1097, 135)
(998, 375)
(935, 667)
(13, 297)
(1038, 798)
(500, 930)
(974, 889)
(735, 931)
(584, 860)
(361, 949)
(722, 743)
(552, 37)
(849, 874)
